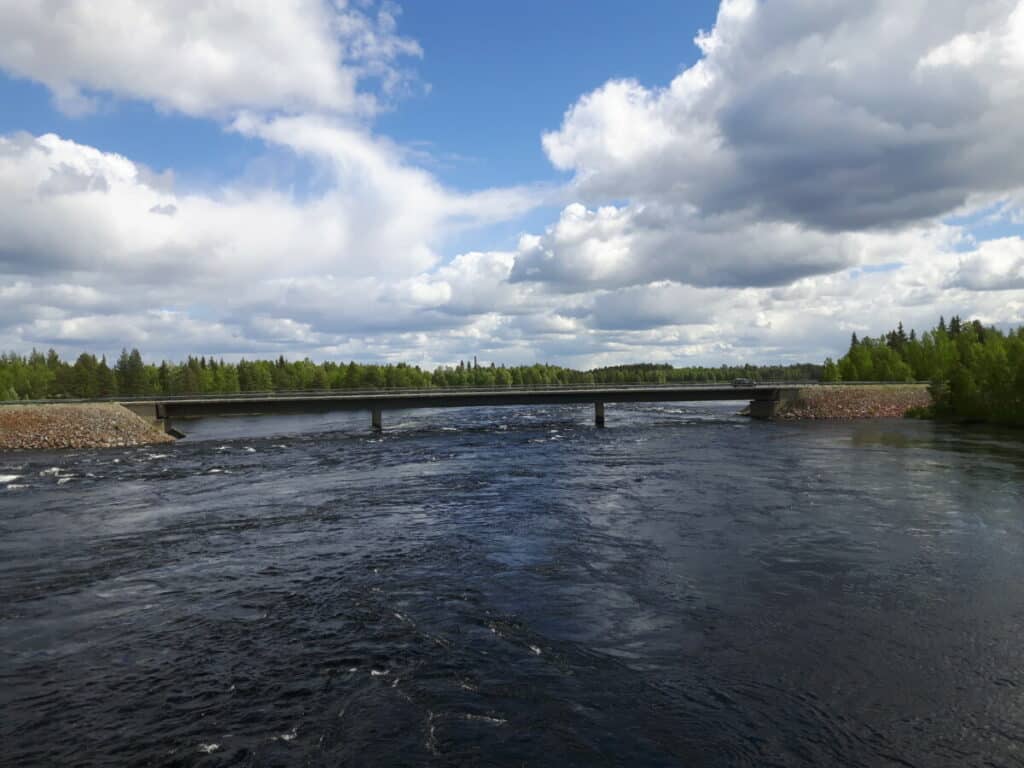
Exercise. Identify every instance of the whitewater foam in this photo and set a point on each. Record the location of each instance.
(486, 719)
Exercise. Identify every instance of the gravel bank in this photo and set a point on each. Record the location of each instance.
(854, 402)
(87, 425)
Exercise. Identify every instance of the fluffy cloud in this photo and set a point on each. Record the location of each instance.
(614, 247)
(379, 218)
(204, 59)
(793, 113)
(797, 166)
(997, 265)
(622, 246)
(89, 238)
(654, 306)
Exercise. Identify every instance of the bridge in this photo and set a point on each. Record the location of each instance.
(764, 400)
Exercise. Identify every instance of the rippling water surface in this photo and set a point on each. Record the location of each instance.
(514, 586)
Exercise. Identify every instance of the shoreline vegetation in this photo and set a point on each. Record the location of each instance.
(976, 373)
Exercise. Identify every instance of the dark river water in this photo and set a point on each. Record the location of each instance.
(513, 586)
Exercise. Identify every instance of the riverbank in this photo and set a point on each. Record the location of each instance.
(85, 425)
(881, 401)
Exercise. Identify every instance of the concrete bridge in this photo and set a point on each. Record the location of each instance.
(764, 400)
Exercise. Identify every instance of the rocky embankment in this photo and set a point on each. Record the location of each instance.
(856, 402)
(87, 425)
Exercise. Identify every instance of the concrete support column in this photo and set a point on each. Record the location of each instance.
(176, 434)
(769, 405)
(375, 420)
(599, 414)
(763, 409)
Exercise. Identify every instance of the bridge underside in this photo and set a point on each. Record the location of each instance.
(763, 401)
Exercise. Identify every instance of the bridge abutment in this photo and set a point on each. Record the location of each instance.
(148, 411)
(764, 410)
(155, 413)
(770, 405)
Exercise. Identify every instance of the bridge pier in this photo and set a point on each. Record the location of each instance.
(599, 414)
(376, 421)
(170, 430)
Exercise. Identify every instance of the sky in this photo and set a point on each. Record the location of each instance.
(581, 183)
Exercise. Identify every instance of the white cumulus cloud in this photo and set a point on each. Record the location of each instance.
(833, 115)
(205, 58)
(997, 265)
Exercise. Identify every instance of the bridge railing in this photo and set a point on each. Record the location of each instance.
(367, 391)
(511, 389)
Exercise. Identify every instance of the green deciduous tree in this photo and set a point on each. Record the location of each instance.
(976, 373)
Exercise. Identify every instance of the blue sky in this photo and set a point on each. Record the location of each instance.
(578, 182)
(477, 106)
(473, 114)
(492, 94)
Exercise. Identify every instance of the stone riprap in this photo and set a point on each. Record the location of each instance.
(85, 425)
(855, 402)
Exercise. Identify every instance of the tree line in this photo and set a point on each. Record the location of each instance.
(976, 374)
(40, 376)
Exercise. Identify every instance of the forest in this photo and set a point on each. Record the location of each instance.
(38, 376)
(976, 374)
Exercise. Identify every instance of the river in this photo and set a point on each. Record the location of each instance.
(513, 586)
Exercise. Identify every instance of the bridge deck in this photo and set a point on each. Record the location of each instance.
(450, 398)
